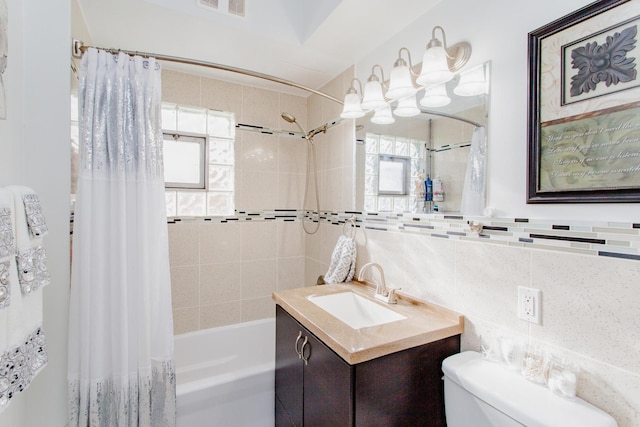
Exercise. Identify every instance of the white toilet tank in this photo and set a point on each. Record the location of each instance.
(479, 393)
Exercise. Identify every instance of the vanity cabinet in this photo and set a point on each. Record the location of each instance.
(316, 387)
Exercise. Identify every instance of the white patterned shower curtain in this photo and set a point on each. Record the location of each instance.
(120, 327)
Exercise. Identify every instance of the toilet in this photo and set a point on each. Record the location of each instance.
(479, 393)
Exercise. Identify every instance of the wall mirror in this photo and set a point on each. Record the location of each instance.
(435, 143)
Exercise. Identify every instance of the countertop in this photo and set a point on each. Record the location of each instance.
(424, 323)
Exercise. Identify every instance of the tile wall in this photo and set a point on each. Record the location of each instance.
(225, 272)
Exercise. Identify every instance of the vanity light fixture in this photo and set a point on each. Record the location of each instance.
(352, 107)
(383, 116)
(440, 62)
(435, 96)
(373, 97)
(472, 82)
(438, 66)
(407, 107)
(400, 82)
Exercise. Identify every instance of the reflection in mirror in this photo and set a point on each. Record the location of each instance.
(436, 145)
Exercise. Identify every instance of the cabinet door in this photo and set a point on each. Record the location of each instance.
(289, 371)
(328, 391)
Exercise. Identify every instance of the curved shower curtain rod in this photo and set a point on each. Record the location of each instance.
(78, 48)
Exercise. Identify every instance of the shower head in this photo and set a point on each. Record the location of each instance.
(288, 117)
(291, 119)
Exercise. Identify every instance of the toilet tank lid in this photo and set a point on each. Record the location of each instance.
(530, 404)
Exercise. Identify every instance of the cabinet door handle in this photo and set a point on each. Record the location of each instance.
(299, 352)
(304, 344)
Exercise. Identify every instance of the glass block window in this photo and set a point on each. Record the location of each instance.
(412, 153)
(199, 161)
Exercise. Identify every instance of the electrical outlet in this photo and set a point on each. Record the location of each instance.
(529, 304)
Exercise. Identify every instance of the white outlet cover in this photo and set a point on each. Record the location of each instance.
(529, 304)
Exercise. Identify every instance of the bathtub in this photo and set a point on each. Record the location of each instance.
(225, 376)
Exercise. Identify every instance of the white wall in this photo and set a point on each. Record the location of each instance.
(34, 151)
(497, 31)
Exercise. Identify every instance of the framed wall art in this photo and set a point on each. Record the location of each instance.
(584, 106)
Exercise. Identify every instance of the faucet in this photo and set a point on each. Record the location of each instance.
(382, 293)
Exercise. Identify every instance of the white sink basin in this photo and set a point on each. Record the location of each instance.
(354, 310)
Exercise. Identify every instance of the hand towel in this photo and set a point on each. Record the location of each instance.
(7, 247)
(343, 261)
(22, 343)
(30, 226)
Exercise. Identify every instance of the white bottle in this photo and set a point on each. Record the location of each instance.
(438, 190)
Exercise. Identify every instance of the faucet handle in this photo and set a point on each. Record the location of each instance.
(392, 297)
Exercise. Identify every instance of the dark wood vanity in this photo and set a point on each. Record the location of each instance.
(315, 386)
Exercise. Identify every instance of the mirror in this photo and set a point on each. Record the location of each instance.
(435, 143)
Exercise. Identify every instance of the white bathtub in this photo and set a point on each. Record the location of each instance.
(225, 376)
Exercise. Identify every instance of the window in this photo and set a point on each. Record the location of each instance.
(391, 165)
(199, 161)
(185, 163)
(393, 175)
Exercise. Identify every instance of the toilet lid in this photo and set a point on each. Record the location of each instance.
(531, 404)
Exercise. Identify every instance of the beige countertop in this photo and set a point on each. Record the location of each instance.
(424, 323)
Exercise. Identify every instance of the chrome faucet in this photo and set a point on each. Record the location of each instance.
(382, 293)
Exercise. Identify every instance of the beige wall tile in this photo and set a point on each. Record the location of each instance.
(220, 283)
(184, 286)
(260, 107)
(292, 156)
(180, 88)
(258, 241)
(258, 308)
(291, 191)
(588, 305)
(430, 273)
(258, 153)
(183, 244)
(291, 273)
(386, 249)
(259, 278)
(215, 315)
(258, 190)
(219, 242)
(313, 269)
(487, 278)
(186, 320)
(290, 239)
(224, 96)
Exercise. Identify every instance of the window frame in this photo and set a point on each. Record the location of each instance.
(203, 141)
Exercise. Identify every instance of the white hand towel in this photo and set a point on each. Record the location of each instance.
(33, 273)
(343, 261)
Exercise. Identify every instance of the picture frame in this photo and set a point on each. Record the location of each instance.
(584, 106)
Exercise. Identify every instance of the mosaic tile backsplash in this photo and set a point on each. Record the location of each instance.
(608, 239)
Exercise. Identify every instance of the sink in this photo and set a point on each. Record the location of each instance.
(356, 311)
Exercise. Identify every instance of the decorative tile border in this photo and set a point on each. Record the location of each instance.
(607, 239)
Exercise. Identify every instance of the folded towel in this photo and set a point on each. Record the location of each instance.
(22, 346)
(30, 226)
(7, 247)
(343, 261)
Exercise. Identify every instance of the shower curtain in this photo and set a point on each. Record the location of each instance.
(473, 197)
(120, 368)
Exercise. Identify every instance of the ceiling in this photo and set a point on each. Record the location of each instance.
(305, 41)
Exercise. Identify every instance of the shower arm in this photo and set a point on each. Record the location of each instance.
(78, 48)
